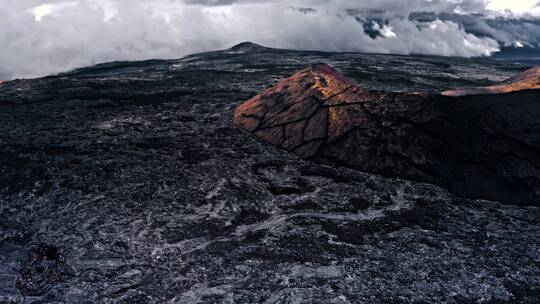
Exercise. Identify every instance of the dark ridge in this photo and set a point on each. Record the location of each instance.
(527, 55)
(114, 66)
(248, 47)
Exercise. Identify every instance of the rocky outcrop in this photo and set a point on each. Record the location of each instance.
(527, 80)
(485, 146)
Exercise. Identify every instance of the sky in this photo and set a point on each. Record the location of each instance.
(42, 37)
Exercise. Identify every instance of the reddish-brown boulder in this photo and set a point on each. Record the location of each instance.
(527, 80)
(485, 146)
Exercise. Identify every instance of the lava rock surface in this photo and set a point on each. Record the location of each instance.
(134, 175)
(528, 80)
(476, 146)
(44, 268)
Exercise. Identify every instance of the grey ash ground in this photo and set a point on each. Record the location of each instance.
(127, 183)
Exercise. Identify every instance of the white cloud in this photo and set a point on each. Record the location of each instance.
(43, 38)
(108, 7)
(40, 11)
(515, 6)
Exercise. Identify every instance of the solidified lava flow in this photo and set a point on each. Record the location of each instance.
(127, 182)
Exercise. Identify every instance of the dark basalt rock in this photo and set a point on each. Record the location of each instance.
(45, 267)
(136, 174)
(484, 146)
(248, 47)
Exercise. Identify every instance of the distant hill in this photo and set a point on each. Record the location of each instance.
(527, 55)
(249, 47)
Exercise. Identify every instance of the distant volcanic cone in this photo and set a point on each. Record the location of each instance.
(527, 80)
(484, 146)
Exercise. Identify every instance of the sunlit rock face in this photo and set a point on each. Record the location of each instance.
(485, 146)
(527, 80)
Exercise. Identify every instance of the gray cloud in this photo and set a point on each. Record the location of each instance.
(42, 38)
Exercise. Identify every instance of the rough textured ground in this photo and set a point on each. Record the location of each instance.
(127, 183)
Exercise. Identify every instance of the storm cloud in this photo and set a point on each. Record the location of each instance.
(40, 38)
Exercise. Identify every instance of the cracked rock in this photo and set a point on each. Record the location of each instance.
(484, 146)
